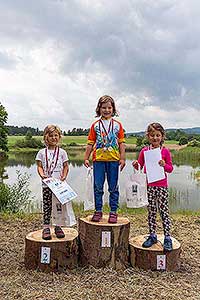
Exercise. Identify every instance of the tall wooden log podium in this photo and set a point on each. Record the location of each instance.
(103, 244)
(154, 258)
(51, 255)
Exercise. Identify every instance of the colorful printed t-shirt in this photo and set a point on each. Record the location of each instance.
(106, 135)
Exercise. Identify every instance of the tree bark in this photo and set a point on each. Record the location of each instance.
(147, 258)
(63, 252)
(103, 244)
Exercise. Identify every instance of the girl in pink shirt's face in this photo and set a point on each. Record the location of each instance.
(155, 138)
(156, 134)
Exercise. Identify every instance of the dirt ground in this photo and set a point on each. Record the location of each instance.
(18, 283)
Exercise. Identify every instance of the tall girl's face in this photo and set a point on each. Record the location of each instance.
(53, 139)
(106, 110)
(155, 138)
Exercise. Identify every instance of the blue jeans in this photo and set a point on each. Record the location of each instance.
(102, 170)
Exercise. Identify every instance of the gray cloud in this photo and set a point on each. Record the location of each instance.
(146, 51)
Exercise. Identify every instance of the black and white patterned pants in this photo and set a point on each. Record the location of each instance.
(47, 205)
(158, 198)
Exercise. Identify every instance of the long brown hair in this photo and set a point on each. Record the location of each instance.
(156, 126)
(105, 99)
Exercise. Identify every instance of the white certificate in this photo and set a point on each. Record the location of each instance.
(154, 171)
(63, 192)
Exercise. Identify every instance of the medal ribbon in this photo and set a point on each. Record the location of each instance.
(49, 167)
(110, 128)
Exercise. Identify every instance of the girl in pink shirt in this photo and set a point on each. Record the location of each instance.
(157, 191)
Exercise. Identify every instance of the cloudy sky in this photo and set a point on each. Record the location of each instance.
(57, 57)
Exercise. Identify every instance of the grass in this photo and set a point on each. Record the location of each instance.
(92, 284)
(82, 140)
(171, 142)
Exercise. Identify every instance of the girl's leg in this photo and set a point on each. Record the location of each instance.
(164, 209)
(152, 208)
(112, 170)
(47, 206)
(99, 179)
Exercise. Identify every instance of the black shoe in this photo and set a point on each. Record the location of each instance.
(151, 240)
(167, 244)
(59, 232)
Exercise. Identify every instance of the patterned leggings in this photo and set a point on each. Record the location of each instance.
(158, 197)
(47, 205)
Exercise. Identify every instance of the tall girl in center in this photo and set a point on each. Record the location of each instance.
(106, 140)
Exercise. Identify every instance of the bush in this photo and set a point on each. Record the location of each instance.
(4, 196)
(73, 144)
(28, 143)
(15, 198)
(183, 140)
(194, 143)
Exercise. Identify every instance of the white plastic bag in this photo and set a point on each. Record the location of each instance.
(136, 190)
(89, 197)
(62, 215)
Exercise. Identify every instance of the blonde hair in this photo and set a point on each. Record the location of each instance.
(106, 99)
(156, 126)
(48, 130)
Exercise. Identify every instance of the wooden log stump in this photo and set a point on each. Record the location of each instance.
(154, 258)
(103, 244)
(52, 255)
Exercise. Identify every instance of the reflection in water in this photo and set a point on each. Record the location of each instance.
(186, 158)
(184, 189)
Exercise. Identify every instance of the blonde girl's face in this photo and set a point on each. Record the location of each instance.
(106, 110)
(53, 139)
(155, 138)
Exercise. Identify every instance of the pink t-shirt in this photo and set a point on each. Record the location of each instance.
(168, 168)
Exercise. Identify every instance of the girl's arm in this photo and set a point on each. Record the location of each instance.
(166, 163)
(87, 155)
(140, 161)
(122, 161)
(65, 171)
(40, 169)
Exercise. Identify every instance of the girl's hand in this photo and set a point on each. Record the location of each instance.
(135, 164)
(122, 164)
(43, 176)
(87, 163)
(62, 178)
(161, 162)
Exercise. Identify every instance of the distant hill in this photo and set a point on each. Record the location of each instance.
(193, 130)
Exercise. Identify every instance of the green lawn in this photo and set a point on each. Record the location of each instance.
(82, 140)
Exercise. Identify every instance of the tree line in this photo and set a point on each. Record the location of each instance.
(17, 130)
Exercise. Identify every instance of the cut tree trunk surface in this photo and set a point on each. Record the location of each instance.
(51, 255)
(154, 258)
(103, 244)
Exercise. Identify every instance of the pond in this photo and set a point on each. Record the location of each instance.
(184, 188)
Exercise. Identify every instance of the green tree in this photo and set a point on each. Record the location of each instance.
(29, 135)
(3, 128)
(183, 140)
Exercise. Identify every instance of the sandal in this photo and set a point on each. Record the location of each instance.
(59, 232)
(46, 234)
